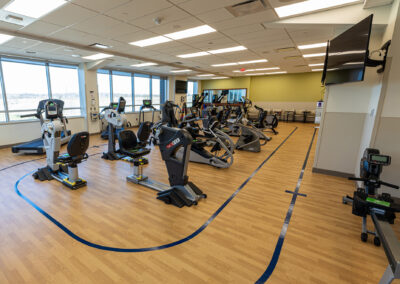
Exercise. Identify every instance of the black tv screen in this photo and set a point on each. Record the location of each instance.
(180, 87)
(347, 54)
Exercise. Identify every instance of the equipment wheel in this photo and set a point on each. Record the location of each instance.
(364, 237)
(35, 176)
(377, 241)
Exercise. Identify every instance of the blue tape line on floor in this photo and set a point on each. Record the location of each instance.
(191, 236)
(292, 192)
(278, 248)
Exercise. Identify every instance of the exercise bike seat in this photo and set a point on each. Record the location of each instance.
(129, 145)
(76, 149)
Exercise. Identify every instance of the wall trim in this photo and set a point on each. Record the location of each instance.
(331, 173)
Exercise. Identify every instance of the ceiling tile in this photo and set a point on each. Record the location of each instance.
(172, 14)
(41, 28)
(197, 7)
(105, 26)
(215, 16)
(137, 9)
(175, 26)
(100, 5)
(68, 14)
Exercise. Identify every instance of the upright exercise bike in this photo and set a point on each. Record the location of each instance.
(63, 168)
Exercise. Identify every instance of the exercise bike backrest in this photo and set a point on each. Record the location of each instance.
(78, 146)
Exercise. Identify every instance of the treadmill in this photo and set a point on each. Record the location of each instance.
(36, 146)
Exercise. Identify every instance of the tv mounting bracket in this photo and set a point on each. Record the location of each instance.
(375, 63)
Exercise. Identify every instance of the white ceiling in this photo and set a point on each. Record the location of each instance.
(118, 22)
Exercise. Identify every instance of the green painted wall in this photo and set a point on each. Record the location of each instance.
(300, 87)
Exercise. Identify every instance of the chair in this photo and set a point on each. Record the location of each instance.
(289, 115)
(76, 149)
(299, 115)
(310, 116)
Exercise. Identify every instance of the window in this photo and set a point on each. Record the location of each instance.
(104, 89)
(65, 86)
(142, 90)
(134, 88)
(191, 90)
(234, 95)
(122, 87)
(25, 86)
(27, 82)
(156, 92)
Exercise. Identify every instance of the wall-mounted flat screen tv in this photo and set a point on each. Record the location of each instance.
(347, 54)
(180, 87)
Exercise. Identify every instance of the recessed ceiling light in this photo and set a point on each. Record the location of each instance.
(229, 49)
(316, 64)
(99, 45)
(197, 54)
(258, 69)
(151, 41)
(264, 69)
(313, 55)
(4, 38)
(205, 75)
(75, 55)
(218, 78)
(68, 49)
(315, 45)
(98, 56)
(144, 64)
(253, 61)
(224, 64)
(33, 9)
(354, 63)
(309, 6)
(316, 70)
(273, 73)
(255, 74)
(181, 71)
(205, 29)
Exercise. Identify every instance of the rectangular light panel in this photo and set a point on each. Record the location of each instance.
(196, 54)
(33, 8)
(98, 56)
(315, 45)
(144, 64)
(201, 30)
(310, 6)
(151, 41)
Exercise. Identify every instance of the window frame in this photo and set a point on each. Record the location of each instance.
(46, 64)
(163, 87)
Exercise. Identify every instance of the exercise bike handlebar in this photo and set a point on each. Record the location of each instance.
(378, 181)
(28, 115)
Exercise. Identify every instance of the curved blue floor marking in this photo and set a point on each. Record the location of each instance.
(275, 257)
(191, 236)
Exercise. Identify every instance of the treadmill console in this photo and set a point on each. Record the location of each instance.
(51, 110)
(147, 103)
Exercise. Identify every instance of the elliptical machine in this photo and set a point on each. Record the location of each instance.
(366, 200)
(115, 118)
(63, 168)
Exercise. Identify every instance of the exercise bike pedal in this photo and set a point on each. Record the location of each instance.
(364, 237)
(377, 241)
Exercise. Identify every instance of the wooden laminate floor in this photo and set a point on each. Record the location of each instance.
(322, 244)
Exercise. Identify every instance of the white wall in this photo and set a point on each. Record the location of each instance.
(19, 132)
(347, 123)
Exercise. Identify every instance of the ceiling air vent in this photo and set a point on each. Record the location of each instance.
(292, 57)
(285, 49)
(248, 7)
(178, 62)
